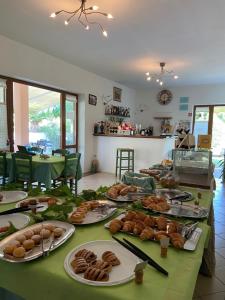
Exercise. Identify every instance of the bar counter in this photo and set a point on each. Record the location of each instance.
(148, 150)
(137, 136)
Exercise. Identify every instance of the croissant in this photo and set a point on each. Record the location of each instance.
(79, 265)
(111, 258)
(130, 215)
(178, 243)
(147, 234)
(82, 209)
(115, 226)
(120, 186)
(172, 227)
(94, 204)
(96, 274)
(125, 191)
(161, 223)
(132, 189)
(112, 193)
(175, 235)
(128, 226)
(160, 234)
(140, 216)
(89, 256)
(149, 221)
(138, 227)
(102, 265)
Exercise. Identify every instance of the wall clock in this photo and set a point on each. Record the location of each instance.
(165, 97)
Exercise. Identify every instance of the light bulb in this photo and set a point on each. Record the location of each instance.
(95, 7)
(157, 80)
(87, 27)
(175, 77)
(149, 78)
(66, 23)
(104, 32)
(161, 83)
(147, 74)
(53, 15)
(109, 16)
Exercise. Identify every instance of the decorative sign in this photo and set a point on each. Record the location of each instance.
(117, 94)
(184, 103)
(92, 99)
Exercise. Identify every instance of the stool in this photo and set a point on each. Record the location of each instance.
(124, 154)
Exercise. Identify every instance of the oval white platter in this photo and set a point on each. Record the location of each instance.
(43, 204)
(99, 214)
(119, 274)
(18, 220)
(37, 250)
(12, 196)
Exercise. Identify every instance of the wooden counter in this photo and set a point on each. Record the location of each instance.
(137, 136)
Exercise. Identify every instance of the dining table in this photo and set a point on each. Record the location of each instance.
(43, 170)
(45, 277)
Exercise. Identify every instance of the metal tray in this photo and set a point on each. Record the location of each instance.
(189, 245)
(12, 196)
(37, 250)
(181, 196)
(130, 197)
(99, 214)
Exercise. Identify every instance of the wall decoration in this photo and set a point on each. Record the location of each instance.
(183, 107)
(117, 94)
(184, 103)
(92, 99)
(165, 97)
(184, 100)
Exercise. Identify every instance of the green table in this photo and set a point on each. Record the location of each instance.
(43, 170)
(46, 279)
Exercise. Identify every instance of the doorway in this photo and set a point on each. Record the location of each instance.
(210, 119)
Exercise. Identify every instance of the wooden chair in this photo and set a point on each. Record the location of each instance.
(70, 172)
(23, 168)
(61, 152)
(3, 167)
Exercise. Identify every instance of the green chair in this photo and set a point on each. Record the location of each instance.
(70, 172)
(22, 164)
(3, 167)
(62, 152)
(124, 155)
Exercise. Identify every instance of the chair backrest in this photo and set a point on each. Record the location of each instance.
(72, 162)
(22, 167)
(36, 150)
(62, 152)
(3, 164)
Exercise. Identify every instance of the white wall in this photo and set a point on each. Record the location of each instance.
(23, 62)
(202, 94)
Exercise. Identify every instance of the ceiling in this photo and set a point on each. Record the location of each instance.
(188, 35)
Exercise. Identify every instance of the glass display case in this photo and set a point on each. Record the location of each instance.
(193, 167)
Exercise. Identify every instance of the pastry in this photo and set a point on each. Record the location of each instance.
(37, 229)
(102, 265)
(172, 227)
(160, 234)
(125, 191)
(45, 233)
(96, 274)
(21, 238)
(130, 215)
(9, 249)
(15, 243)
(94, 204)
(132, 189)
(79, 265)
(52, 201)
(115, 226)
(138, 227)
(58, 232)
(161, 223)
(36, 238)
(28, 234)
(177, 240)
(113, 193)
(140, 216)
(147, 234)
(149, 221)
(76, 218)
(111, 258)
(48, 226)
(28, 244)
(128, 226)
(89, 256)
(19, 252)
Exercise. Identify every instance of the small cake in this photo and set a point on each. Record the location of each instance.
(28, 234)
(58, 232)
(21, 238)
(37, 229)
(15, 243)
(9, 249)
(36, 238)
(49, 226)
(45, 233)
(19, 252)
(28, 244)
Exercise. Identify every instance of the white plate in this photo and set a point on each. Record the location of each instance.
(37, 250)
(119, 274)
(12, 196)
(98, 214)
(44, 204)
(19, 220)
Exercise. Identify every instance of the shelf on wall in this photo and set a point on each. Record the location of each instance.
(117, 115)
(163, 118)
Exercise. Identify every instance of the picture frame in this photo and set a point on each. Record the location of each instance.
(92, 100)
(117, 94)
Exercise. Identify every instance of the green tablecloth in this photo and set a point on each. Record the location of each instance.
(46, 279)
(43, 170)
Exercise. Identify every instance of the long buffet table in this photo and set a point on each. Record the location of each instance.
(46, 279)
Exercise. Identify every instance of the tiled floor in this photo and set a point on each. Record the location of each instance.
(206, 288)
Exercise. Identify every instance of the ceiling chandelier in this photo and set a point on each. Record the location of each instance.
(82, 13)
(159, 77)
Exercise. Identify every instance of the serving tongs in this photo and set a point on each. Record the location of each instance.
(188, 230)
(18, 210)
(139, 194)
(140, 254)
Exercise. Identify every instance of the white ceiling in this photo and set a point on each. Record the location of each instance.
(188, 34)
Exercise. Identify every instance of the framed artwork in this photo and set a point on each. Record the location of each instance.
(92, 99)
(117, 94)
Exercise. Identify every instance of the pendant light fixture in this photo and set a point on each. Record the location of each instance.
(82, 13)
(161, 76)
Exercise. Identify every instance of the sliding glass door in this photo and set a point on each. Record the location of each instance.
(3, 116)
